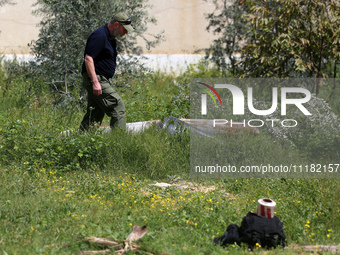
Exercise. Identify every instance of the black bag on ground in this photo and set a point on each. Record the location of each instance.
(268, 232)
(231, 236)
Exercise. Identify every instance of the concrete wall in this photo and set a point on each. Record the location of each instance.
(18, 27)
(183, 21)
(184, 24)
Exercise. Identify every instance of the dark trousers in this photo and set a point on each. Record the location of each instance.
(109, 103)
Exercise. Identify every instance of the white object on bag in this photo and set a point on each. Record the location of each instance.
(266, 207)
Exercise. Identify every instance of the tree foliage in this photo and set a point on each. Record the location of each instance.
(287, 38)
(225, 21)
(66, 25)
(292, 38)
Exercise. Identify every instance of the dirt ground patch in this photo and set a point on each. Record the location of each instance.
(194, 187)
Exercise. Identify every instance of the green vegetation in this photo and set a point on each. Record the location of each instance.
(295, 39)
(58, 188)
(55, 190)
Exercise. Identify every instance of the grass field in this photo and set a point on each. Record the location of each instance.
(57, 190)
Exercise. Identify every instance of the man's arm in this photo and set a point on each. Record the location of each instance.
(89, 63)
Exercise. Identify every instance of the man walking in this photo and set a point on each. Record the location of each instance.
(98, 68)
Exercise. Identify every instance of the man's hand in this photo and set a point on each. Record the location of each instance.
(97, 89)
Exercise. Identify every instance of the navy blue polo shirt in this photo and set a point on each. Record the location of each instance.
(103, 49)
